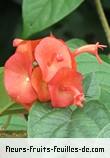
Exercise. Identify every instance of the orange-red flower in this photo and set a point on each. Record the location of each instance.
(52, 54)
(18, 70)
(46, 70)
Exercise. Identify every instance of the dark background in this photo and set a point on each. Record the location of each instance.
(83, 23)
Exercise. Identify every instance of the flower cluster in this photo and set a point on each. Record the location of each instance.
(46, 70)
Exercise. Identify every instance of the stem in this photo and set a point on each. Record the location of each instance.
(103, 19)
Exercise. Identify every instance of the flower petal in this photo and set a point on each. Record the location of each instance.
(17, 42)
(26, 46)
(39, 85)
(74, 64)
(52, 54)
(66, 88)
(17, 79)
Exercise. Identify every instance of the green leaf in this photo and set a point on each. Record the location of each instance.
(5, 100)
(106, 58)
(14, 109)
(75, 43)
(7, 106)
(48, 122)
(105, 97)
(105, 132)
(40, 14)
(92, 89)
(17, 122)
(87, 64)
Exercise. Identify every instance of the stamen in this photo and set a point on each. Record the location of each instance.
(90, 48)
(35, 64)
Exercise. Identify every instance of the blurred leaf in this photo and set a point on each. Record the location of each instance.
(6, 103)
(75, 43)
(17, 122)
(38, 15)
(106, 3)
(106, 58)
(5, 100)
(78, 24)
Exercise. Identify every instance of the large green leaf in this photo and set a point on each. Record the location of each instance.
(40, 14)
(89, 121)
(5, 100)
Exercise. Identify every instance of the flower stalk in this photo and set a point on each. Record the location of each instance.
(103, 19)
